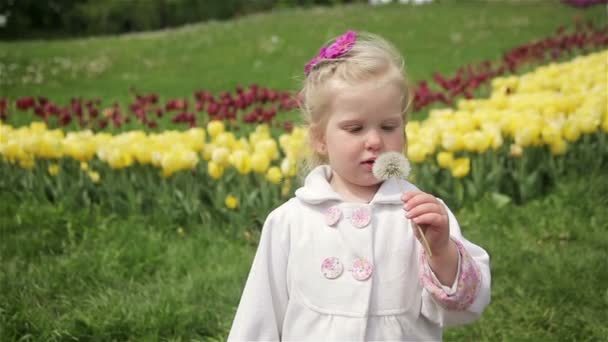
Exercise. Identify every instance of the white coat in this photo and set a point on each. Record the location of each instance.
(288, 297)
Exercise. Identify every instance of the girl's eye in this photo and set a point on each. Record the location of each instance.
(389, 128)
(353, 129)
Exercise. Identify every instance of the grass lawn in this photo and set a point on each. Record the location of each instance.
(89, 274)
(271, 49)
(95, 276)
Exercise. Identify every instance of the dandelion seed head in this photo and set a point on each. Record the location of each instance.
(391, 165)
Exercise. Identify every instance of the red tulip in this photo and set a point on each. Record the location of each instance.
(250, 117)
(25, 103)
(288, 126)
(213, 108)
(65, 119)
(177, 104)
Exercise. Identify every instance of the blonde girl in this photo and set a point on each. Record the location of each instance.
(340, 261)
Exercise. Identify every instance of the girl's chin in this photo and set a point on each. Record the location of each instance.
(370, 182)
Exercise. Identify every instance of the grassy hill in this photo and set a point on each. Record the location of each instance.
(271, 48)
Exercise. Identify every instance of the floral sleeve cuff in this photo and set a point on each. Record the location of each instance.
(468, 280)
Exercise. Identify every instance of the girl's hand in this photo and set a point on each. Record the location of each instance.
(430, 214)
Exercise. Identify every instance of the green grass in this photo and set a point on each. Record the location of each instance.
(94, 276)
(549, 260)
(88, 274)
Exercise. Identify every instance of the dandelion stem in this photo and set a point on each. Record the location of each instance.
(425, 243)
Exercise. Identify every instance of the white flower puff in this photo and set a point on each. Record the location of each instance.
(391, 165)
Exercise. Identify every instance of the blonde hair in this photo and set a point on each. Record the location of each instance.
(370, 57)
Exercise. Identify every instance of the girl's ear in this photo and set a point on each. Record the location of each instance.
(321, 148)
(317, 140)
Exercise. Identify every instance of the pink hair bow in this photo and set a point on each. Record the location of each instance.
(337, 49)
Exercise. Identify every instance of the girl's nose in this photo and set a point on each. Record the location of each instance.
(373, 140)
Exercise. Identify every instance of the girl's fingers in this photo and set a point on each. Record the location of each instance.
(411, 194)
(423, 208)
(429, 220)
(414, 199)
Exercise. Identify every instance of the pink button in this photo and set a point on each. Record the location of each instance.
(331, 268)
(362, 269)
(361, 217)
(332, 215)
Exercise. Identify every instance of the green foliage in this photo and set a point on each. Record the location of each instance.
(517, 179)
(184, 198)
(548, 264)
(64, 18)
(86, 274)
(68, 274)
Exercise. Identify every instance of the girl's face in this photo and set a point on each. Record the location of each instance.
(364, 121)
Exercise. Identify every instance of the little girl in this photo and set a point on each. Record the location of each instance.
(341, 261)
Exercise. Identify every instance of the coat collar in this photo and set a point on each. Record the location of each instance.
(317, 189)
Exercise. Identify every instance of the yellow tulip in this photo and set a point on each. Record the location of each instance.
(28, 162)
(589, 123)
(274, 175)
(452, 142)
(231, 202)
(207, 151)
(220, 156)
(177, 160)
(260, 162)
(550, 134)
(605, 123)
(38, 127)
(515, 151)
(572, 131)
(53, 169)
(94, 176)
(525, 136)
(268, 147)
(285, 188)
(240, 161)
(241, 144)
(195, 138)
(461, 167)
(558, 147)
(50, 146)
(215, 171)
(288, 167)
(477, 141)
(284, 141)
(445, 159)
(416, 153)
(225, 139)
(214, 128)
(262, 129)
(118, 159)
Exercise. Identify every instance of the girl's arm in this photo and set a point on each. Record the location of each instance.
(260, 313)
(464, 299)
(444, 264)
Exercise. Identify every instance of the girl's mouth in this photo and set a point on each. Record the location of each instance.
(368, 164)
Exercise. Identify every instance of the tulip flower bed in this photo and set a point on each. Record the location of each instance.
(585, 3)
(257, 104)
(515, 143)
(516, 139)
(253, 105)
